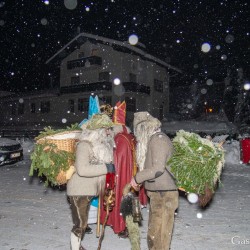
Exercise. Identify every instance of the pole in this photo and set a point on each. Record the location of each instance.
(98, 217)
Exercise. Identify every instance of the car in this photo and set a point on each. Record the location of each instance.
(11, 151)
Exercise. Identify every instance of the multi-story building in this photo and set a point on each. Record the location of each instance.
(94, 65)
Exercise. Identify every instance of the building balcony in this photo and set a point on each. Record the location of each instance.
(85, 62)
(105, 86)
(136, 87)
(95, 86)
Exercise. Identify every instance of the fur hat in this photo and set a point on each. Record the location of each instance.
(141, 117)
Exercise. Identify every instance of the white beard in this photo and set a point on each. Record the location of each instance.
(102, 145)
(143, 132)
(103, 151)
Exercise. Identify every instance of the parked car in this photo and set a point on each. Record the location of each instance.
(10, 151)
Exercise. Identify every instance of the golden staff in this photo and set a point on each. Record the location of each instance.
(110, 199)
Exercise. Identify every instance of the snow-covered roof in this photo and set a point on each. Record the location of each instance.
(196, 126)
(119, 43)
(5, 93)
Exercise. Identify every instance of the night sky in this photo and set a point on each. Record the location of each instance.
(32, 31)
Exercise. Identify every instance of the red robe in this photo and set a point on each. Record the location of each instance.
(125, 164)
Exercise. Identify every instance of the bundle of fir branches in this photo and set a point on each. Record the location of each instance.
(196, 164)
(47, 159)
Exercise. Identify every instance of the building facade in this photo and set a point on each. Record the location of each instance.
(94, 65)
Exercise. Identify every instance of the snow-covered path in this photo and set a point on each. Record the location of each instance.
(33, 217)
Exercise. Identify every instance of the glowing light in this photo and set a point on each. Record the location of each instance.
(203, 91)
(64, 120)
(46, 2)
(205, 47)
(192, 197)
(70, 4)
(223, 57)
(217, 47)
(133, 39)
(44, 21)
(209, 82)
(247, 86)
(199, 215)
(229, 38)
(117, 81)
(87, 9)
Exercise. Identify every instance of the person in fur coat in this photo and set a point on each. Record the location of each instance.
(94, 157)
(154, 148)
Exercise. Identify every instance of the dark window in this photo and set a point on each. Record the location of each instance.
(158, 85)
(105, 100)
(45, 107)
(131, 104)
(13, 108)
(83, 104)
(75, 80)
(32, 107)
(132, 77)
(104, 76)
(81, 55)
(71, 105)
(94, 52)
(20, 110)
(161, 112)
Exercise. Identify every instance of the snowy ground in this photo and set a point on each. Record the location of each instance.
(33, 217)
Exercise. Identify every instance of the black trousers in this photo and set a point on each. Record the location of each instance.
(80, 210)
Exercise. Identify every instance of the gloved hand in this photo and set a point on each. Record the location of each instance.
(110, 167)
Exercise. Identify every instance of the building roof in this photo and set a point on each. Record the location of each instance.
(125, 45)
(5, 93)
